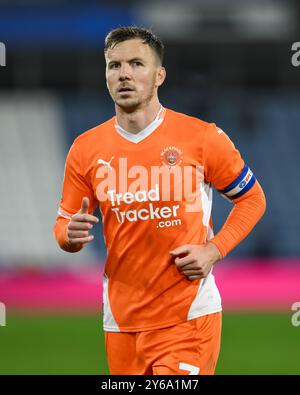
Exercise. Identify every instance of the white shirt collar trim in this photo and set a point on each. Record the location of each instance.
(136, 138)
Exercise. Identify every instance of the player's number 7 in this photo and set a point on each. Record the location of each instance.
(194, 370)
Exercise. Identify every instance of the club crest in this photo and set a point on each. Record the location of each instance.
(171, 156)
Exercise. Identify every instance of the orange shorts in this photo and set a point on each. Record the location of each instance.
(189, 348)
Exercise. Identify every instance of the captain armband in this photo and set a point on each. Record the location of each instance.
(242, 184)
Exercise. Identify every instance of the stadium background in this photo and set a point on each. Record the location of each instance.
(228, 62)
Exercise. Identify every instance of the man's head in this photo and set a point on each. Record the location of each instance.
(134, 68)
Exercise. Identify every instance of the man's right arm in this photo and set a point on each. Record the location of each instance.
(75, 219)
(60, 234)
(72, 234)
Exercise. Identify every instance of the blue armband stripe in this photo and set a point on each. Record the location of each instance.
(246, 189)
(237, 180)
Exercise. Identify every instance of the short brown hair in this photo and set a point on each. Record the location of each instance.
(125, 33)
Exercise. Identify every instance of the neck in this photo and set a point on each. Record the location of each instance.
(138, 119)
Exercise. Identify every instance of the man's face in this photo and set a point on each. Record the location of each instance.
(133, 74)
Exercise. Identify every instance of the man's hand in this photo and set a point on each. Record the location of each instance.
(197, 260)
(80, 225)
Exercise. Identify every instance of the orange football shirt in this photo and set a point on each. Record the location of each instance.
(154, 194)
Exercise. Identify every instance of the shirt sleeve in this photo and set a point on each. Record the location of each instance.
(75, 186)
(226, 170)
(247, 211)
(223, 162)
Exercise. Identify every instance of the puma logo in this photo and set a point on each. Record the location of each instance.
(103, 162)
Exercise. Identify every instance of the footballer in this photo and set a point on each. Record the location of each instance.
(151, 171)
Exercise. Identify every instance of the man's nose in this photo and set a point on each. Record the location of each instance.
(125, 72)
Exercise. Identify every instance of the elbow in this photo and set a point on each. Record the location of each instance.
(262, 202)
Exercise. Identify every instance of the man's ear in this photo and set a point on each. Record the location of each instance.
(161, 76)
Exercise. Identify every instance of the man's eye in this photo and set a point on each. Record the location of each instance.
(137, 63)
(114, 66)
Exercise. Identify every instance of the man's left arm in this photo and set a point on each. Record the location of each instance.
(245, 214)
(242, 189)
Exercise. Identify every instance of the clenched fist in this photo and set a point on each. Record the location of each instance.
(196, 261)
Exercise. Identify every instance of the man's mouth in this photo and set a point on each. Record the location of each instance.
(125, 90)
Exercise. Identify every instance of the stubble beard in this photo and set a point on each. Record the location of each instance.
(131, 105)
(128, 105)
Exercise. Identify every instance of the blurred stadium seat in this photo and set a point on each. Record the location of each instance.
(32, 149)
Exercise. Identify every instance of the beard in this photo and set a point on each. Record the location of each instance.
(128, 104)
(131, 104)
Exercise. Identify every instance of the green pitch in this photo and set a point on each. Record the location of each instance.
(252, 343)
